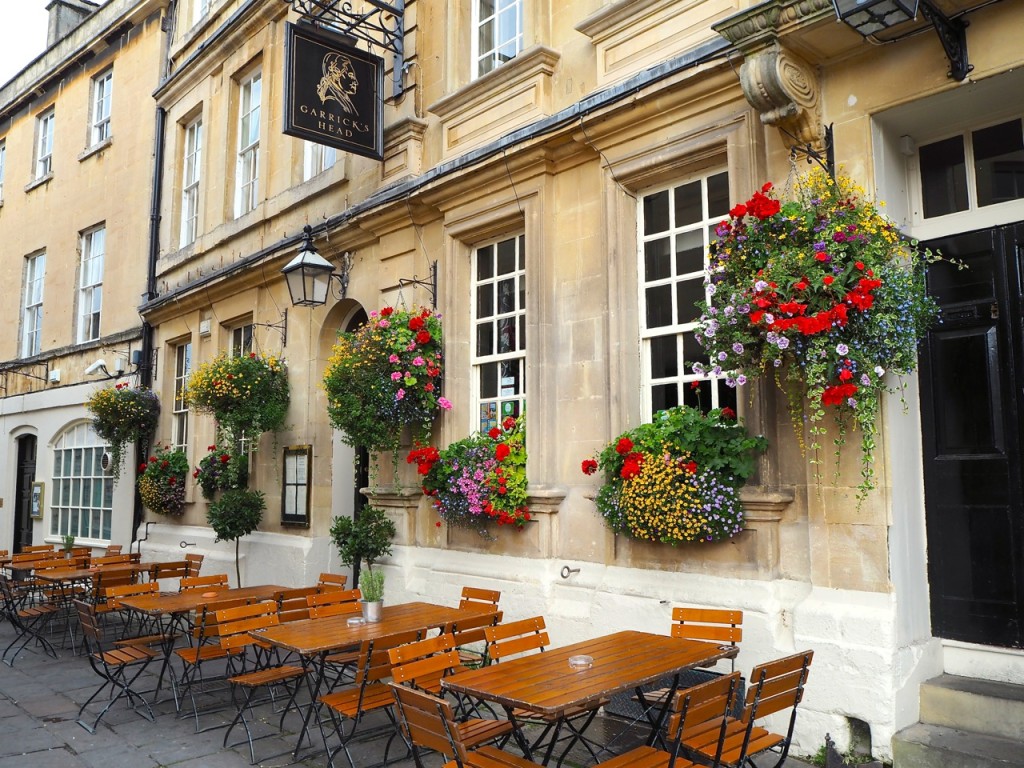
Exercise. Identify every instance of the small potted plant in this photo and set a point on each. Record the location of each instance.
(365, 539)
(69, 543)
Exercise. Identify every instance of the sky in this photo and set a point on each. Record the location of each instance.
(22, 35)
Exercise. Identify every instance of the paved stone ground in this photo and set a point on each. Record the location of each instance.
(40, 697)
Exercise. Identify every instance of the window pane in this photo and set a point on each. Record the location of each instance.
(484, 339)
(687, 203)
(664, 396)
(656, 212)
(507, 335)
(659, 306)
(689, 292)
(943, 177)
(718, 195)
(690, 252)
(506, 296)
(692, 351)
(999, 163)
(484, 263)
(657, 259)
(506, 257)
(489, 380)
(484, 301)
(485, 39)
(664, 360)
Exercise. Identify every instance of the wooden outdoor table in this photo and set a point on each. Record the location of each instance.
(85, 574)
(545, 683)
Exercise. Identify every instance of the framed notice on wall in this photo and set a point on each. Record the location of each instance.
(333, 92)
(37, 501)
(295, 489)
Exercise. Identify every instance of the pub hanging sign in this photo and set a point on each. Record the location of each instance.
(333, 92)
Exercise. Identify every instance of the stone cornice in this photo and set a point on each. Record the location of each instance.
(760, 25)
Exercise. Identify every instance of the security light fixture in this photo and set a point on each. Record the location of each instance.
(309, 274)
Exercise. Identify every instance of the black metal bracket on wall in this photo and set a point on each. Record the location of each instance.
(383, 26)
(825, 159)
(953, 36)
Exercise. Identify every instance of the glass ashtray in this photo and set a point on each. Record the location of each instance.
(581, 662)
(356, 621)
(208, 594)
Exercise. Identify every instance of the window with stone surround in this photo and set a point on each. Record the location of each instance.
(317, 158)
(497, 33)
(675, 226)
(190, 177)
(179, 409)
(81, 502)
(3, 166)
(44, 143)
(247, 171)
(32, 305)
(102, 93)
(90, 291)
(498, 357)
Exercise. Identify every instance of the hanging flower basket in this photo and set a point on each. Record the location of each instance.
(677, 479)
(386, 375)
(478, 480)
(246, 394)
(221, 469)
(162, 482)
(123, 415)
(825, 292)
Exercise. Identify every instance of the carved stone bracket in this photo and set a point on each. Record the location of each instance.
(784, 90)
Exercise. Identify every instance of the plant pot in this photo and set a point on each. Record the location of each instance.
(67, 554)
(372, 609)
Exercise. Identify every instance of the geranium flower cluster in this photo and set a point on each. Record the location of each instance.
(823, 288)
(385, 375)
(221, 469)
(246, 394)
(677, 479)
(162, 481)
(122, 415)
(478, 480)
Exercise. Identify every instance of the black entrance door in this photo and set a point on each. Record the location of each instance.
(971, 408)
(23, 494)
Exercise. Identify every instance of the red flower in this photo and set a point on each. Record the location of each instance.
(428, 387)
(415, 323)
(438, 523)
(691, 467)
(801, 285)
(694, 385)
(252, 355)
(631, 466)
(859, 265)
(508, 423)
(763, 207)
(838, 394)
(172, 480)
(386, 312)
(828, 279)
(164, 464)
(728, 413)
(739, 211)
(845, 375)
(501, 452)
(589, 466)
(624, 446)
(821, 256)
(211, 448)
(142, 467)
(423, 337)
(224, 458)
(766, 186)
(494, 433)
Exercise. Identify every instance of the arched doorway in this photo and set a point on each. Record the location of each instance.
(26, 476)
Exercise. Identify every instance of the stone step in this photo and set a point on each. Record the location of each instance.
(936, 746)
(971, 704)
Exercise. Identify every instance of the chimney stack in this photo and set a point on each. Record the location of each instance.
(65, 16)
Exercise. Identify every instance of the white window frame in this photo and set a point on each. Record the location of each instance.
(90, 290)
(179, 408)
(45, 126)
(504, 400)
(82, 496)
(242, 340)
(485, 61)
(32, 305)
(317, 158)
(102, 94)
(191, 176)
(684, 371)
(250, 92)
(3, 166)
(200, 9)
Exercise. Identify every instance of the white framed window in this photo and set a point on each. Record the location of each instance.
(3, 166)
(199, 10)
(44, 143)
(190, 177)
(316, 158)
(247, 173)
(32, 305)
(497, 33)
(90, 292)
(81, 502)
(102, 92)
(972, 170)
(241, 340)
(179, 411)
(498, 354)
(675, 227)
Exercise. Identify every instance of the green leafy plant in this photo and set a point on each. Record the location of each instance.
(235, 514)
(478, 480)
(123, 415)
(677, 478)
(246, 394)
(365, 539)
(386, 375)
(825, 292)
(221, 469)
(68, 541)
(162, 481)
(371, 585)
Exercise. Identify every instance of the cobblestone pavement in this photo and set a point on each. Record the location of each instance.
(40, 697)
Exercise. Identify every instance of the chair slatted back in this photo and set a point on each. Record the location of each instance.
(171, 570)
(39, 548)
(292, 605)
(194, 563)
(34, 557)
(429, 723)
(111, 560)
(90, 625)
(55, 563)
(504, 640)
(85, 552)
(335, 609)
(719, 625)
(422, 664)
(114, 595)
(473, 597)
(112, 549)
(704, 703)
(103, 580)
(331, 581)
(337, 602)
(235, 624)
(195, 583)
(206, 627)
(777, 686)
(374, 659)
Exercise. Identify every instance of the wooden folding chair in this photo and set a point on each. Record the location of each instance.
(334, 602)
(170, 570)
(119, 665)
(202, 583)
(517, 637)
(27, 620)
(348, 707)
(292, 605)
(194, 563)
(37, 548)
(112, 549)
(423, 664)
(329, 581)
(261, 667)
(773, 687)
(472, 597)
(470, 639)
(111, 559)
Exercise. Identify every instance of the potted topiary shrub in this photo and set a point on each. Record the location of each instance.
(365, 539)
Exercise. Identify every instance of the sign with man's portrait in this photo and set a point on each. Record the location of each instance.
(334, 92)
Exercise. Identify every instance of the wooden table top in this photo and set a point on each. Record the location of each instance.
(82, 574)
(545, 683)
(26, 565)
(308, 637)
(183, 602)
